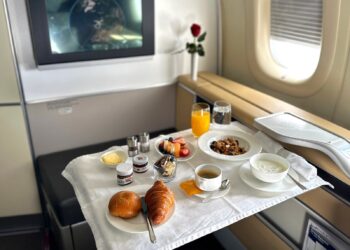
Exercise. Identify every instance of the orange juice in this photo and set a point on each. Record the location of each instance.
(200, 122)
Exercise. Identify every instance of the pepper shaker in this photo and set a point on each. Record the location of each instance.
(132, 146)
(144, 142)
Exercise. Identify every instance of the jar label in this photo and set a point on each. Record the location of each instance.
(125, 180)
(140, 168)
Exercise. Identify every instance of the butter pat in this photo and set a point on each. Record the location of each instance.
(113, 158)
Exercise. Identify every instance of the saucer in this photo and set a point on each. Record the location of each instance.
(284, 185)
(216, 194)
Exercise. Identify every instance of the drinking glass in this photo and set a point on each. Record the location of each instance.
(221, 113)
(200, 118)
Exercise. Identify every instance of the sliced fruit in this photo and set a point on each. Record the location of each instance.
(165, 145)
(177, 148)
(180, 140)
(184, 152)
(170, 147)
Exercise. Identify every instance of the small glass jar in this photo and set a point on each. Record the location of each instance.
(165, 168)
(124, 174)
(140, 163)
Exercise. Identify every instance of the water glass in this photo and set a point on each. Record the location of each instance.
(200, 118)
(222, 113)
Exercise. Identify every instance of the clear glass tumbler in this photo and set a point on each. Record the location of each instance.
(222, 113)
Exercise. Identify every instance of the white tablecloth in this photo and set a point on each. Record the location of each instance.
(94, 185)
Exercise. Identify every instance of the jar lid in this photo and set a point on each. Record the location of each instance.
(124, 169)
(140, 159)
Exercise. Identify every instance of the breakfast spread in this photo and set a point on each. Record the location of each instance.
(140, 163)
(177, 147)
(160, 202)
(227, 146)
(124, 204)
(124, 174)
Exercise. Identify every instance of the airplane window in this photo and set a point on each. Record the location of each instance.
(295, 35)
(285, 39)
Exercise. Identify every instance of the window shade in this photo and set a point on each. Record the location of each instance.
(297, 20)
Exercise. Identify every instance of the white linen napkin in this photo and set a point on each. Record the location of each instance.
(298, 163)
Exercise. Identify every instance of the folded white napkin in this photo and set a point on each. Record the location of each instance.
(298, 163)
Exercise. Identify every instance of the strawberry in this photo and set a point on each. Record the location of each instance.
(184, 152)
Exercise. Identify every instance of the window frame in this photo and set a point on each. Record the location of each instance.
(263, 66)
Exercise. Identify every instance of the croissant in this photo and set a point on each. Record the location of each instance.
(160, 202)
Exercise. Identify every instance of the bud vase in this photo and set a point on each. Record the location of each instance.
(194, 66)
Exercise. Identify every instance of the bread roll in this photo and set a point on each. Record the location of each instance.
(160, 202)
(124, 204)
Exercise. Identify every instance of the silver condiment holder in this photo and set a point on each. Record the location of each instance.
(132, 146)
(144, 142)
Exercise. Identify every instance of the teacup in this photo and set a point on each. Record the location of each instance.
(208, 177)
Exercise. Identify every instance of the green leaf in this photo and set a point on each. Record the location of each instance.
(200, 50)
(191, 48)
(201, 38)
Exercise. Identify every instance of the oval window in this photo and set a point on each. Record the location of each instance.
(295, 36)
(291, 44)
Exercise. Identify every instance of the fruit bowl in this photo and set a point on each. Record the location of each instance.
(178, 147)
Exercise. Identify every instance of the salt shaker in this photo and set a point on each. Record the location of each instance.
(132, 146)
(144, 142)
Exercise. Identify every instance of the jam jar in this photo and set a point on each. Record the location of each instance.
(124, 174)
(140, 163)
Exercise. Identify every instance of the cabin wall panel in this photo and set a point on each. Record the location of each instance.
(8, 81)
(72, 123)
(18, 190)
(341, 112)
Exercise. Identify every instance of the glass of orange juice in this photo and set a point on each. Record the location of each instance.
(200, 118)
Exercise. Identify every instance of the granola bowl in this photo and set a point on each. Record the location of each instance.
(242, 145)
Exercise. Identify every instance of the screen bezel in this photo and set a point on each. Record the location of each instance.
(41, 41)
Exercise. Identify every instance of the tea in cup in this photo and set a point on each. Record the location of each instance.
(208, 177)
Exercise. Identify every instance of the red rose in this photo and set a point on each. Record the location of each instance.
(195, 29)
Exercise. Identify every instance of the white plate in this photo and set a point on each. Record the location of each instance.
(284, 185)
(217, 194)
(133, 225)
(190, 146)
(246, 141)
(136, 224)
